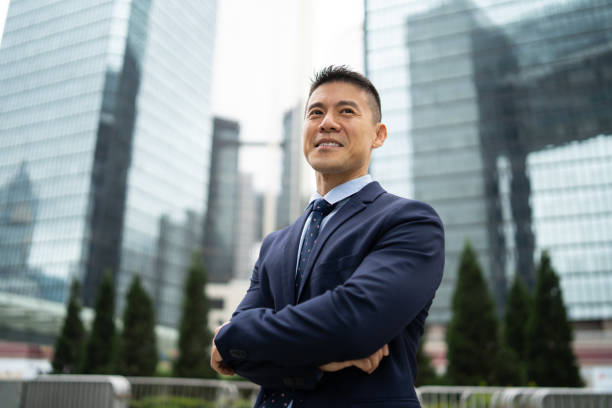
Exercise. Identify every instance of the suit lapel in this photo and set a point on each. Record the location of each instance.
(355, 204)
(289, 260)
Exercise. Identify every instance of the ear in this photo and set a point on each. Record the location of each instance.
(381, 136)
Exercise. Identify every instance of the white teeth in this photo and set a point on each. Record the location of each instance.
(329, 144)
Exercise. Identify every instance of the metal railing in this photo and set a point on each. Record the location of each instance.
(67, 391)
(456, 397)
(512, 397)
(92, 391)
(71, 391)
(10, 393)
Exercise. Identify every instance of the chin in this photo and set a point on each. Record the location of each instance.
(324, 166)
(328, 170)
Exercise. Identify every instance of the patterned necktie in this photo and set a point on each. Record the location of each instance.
(320, 209)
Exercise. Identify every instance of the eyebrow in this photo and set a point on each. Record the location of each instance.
(339, 103)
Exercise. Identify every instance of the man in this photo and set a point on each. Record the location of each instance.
(338, 300)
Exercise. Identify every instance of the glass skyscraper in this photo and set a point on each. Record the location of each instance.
(221, 226)
(105, 133)
(499, 116)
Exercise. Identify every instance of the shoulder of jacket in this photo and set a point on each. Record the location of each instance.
(414, 208)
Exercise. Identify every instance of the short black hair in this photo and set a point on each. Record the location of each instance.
(342, 73)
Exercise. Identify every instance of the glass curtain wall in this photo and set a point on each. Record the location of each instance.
(105, 134)
(498, 116)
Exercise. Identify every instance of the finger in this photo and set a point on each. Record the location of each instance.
(373, 363)
(212, 357)
(378, 356)
(386, 350)
(375, 358)
(225, 369)
(363, 364)
(369, 366)
(217, 363)
(222, 368)
(335, 366)
(344, 364)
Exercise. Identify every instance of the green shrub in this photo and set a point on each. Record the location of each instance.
(169, 401)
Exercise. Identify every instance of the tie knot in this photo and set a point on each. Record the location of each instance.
(322, 206)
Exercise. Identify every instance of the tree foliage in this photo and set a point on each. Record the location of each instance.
(101, 346)
(509, 370)
(138, 350)
(518, 310)
(70, 344)
(551, 360)
(473, 330)
(194, 336)
(516, 317)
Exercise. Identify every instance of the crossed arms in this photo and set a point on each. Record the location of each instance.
(390, 286)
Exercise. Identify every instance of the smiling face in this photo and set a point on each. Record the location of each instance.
(340, 132)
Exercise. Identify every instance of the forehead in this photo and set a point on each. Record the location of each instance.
(331, 92)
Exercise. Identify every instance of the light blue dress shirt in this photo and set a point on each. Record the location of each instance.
(338, 195)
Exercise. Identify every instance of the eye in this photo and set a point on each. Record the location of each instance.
(347, 110)
(315, 112)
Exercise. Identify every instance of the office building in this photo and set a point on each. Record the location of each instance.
(292, 198)
(221, 219)
(248, 219)
(105, 136)
(498, 116)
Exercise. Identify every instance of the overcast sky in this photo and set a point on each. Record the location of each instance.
(3, 9)
(266, 52)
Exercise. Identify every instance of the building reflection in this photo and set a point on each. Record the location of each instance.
(105, 144)
(489, 92)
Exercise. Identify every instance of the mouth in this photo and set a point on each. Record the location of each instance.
(328, 143)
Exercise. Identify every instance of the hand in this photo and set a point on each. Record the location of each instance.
(366, 364)
(216, 361)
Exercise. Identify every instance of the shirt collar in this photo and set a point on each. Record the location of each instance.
(343, 190)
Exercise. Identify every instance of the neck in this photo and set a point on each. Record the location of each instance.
(326, 182)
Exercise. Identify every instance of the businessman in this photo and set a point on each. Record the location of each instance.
(338, 300)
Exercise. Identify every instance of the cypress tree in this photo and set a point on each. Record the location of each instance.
(471, 336)
(509, 371)
(426, 374)
(194, 336)
(101, 346)
(518, 310)
(138, 351)
(550, 358)
(516, 317)
(70, 344)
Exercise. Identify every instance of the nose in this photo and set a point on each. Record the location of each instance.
(329, 124)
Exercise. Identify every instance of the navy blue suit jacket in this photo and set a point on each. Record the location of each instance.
(369, 282)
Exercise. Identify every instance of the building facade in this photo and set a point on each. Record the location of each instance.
(106, 112)
(291, 200)
(221, 225)
(248, 219)
(498, 116)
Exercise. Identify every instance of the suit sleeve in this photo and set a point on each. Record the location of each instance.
(391, 285)
(269, 374)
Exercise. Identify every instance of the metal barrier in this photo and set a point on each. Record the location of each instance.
(456, 396)
(567, 398)
(10, 393)
(68, 391)
(76, 391)
(512, 397)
